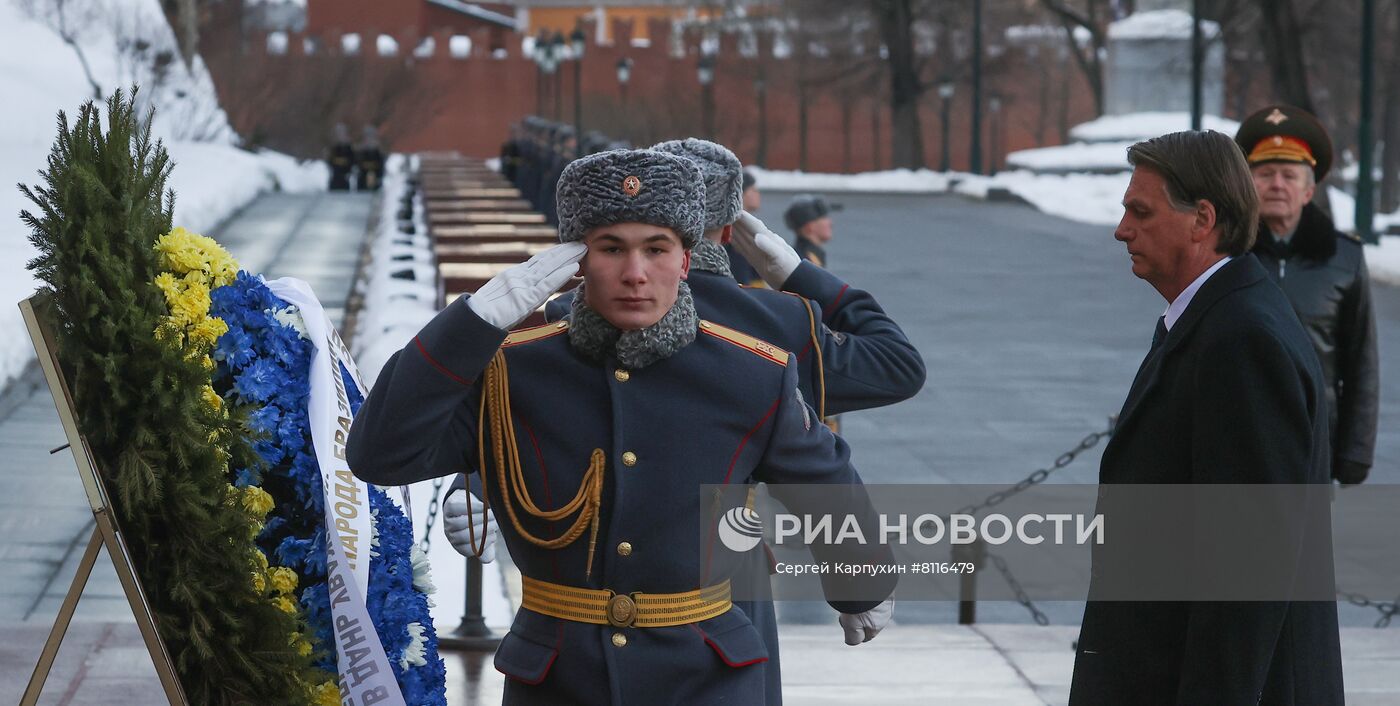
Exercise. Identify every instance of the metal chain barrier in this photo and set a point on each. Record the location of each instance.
(1035, 478)
(1021, 597)
(1387, 609)
(432, 516)
(1040, 475)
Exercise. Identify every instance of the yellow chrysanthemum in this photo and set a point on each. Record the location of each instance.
(284, 580)
(182, 252)
(299, 643)
(206, 333)
(287, 605)
(257, 501)
(260, 560)
(214, 402)
(259, 584)
(327, 694)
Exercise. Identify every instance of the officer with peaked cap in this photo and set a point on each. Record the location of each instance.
(850, 354)
(1322, 270)
(809, 217)
(598, 435)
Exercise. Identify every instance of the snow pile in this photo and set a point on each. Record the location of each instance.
(1074, 157)
(892, 181)
(122, 42)
(1132, 127)
(1088, 198)
(1160, 24)
(395, 308)
(1102, 145)
(394, 311)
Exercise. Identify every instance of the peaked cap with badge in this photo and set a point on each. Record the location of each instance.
(1283, 133)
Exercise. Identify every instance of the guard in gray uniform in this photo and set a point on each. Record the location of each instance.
(1323, 272)
(599, 433)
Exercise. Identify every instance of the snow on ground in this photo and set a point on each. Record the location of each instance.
(1074, 157)
(1088, 198)
(896, 180)
(394, 311)
(40, 75)
(1132, 127)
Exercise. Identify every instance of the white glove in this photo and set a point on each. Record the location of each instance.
(863, 627)
(774, 259)
(514, 294)
(458, 530)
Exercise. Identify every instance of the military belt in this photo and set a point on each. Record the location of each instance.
(625, 610)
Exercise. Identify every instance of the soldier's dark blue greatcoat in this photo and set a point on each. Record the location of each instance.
(679, 428)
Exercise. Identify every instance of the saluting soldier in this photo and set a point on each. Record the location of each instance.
(851, 355)
(809, 218)
(1322, 270)
(744, 273)
(621, 419)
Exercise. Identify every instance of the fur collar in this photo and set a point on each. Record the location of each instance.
(596, 339)
(1315, 238)
(710, 256)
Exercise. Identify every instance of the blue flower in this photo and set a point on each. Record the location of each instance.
(265, 364)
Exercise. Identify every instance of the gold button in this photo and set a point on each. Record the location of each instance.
(629, 459)
(619, 640)
(622, 375)
(625, 549)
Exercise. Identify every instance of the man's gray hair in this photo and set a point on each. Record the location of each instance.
(1206, 166)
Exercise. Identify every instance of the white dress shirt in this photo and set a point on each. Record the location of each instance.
(1183, 300)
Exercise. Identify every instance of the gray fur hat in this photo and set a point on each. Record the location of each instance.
(631, 186)
(724, 178)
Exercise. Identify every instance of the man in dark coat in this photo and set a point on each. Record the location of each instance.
(1230, 392)
(617, 408)
(369, 161)
(1322, 271)
(341, 159)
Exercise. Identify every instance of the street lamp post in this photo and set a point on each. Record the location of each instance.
(994, 104)
(760, 87)
(976, 159)
(624, 74)
(706, 73)
(945, 92)
(557, 46)
(549, 63)
(1365, 180)
(540, 54)
(580, 43)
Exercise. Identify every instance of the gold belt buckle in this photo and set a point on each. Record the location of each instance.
(622, 611)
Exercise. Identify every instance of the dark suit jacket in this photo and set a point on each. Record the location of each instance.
(1234, 394)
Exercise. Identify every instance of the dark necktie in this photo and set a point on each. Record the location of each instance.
(1160, 334)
